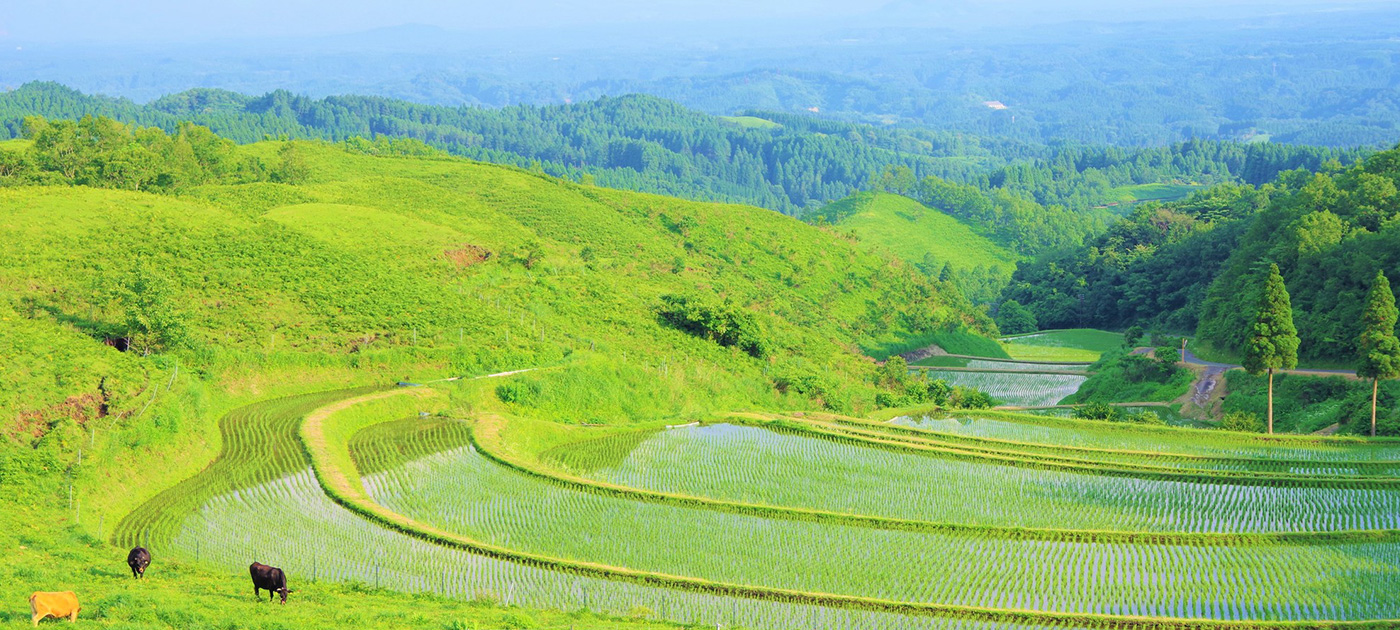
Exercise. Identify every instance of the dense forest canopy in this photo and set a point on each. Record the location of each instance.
(787, 162)
(1196, 265)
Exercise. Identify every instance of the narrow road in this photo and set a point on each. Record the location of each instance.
(1191, 358)
(1209, 379)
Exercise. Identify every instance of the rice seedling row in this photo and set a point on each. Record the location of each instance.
(1012, 388)
(1301, 472)
(1053, 431)
(259, 444)
(463, 492)
(755, 465)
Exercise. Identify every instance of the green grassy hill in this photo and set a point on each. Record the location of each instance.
(376, 269)
(926, 237)
(382, 268)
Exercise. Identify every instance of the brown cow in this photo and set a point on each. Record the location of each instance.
(271, 579)
(54, 605)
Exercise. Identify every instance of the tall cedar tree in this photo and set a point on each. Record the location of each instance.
(1273, 342)
(1380, 349)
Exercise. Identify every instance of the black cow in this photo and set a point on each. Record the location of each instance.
(138, 560)
(271, 579)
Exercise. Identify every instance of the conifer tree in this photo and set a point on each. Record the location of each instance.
(1273, 341)
(1380, 349)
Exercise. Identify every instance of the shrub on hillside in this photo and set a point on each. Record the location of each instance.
(1242, 421)
(970, 398)
(920, 390)
(1145, 417)
(1122, 377)
(519, 392)
(1097, 411)
(724, 323)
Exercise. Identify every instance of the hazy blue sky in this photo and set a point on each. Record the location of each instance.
(193, 20)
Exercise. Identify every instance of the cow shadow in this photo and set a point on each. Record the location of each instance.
(103, 572)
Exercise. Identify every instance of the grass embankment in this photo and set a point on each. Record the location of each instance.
(1072, 345)
(1177, 435)
(1279, 468)
(961, 343)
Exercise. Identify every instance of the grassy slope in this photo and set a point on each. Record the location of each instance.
(347, 279)
(1153, 192)
(910, 230)
(751, 122)
(179, 595)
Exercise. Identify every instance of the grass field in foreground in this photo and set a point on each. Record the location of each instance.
(1076, 344)
(179, 592)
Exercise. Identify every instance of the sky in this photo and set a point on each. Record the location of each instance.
(185, 20)
(155, 21)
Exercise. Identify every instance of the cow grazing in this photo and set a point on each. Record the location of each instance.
(271, 579)
(54, 605)
(138, 560)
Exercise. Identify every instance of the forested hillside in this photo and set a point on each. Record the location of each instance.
(1194, 265)
(791, 163)
(1309, 73)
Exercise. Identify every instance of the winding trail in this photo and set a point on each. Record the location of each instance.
(1190, 358)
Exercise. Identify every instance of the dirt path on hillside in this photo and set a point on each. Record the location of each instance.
(923, 353)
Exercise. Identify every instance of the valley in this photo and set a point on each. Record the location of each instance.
(870, 332)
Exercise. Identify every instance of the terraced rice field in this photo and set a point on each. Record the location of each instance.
(429, 470)
(317, 540)
(1012, 388)
(462, 491)
(755, 465)
(1164, 465)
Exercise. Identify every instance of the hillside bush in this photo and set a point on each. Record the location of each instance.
(724, 323)
(1242, 421)
(1120, 376)
(1097, 410)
